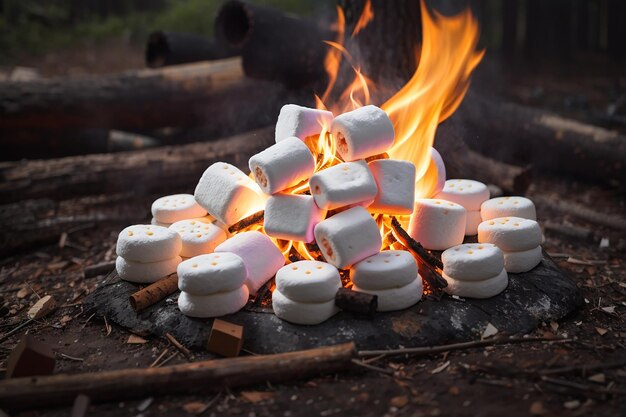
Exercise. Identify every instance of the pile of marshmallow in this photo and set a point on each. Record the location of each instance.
(333, 207)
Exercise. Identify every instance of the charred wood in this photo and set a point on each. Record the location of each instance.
(173, 48)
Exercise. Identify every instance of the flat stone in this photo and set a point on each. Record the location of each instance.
(542, 295)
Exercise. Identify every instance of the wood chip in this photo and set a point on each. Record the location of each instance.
(610, 310)
(256, 396)
(440, 368)
(195, 407)
(399, 401)
(23, 292)
(42, 308)
(571, 405)
(133, 339)
(599, 378)
(601, 331)
(490, 330)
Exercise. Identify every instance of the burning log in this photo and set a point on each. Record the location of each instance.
(172, 48)
(24, 393)
(246, 222)
(274, 45)
(154, 293)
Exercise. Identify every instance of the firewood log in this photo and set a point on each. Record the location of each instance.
(212, 375)
(173, 48)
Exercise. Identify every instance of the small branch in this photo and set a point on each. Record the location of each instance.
(247, 222)
(424, 351)
(154, 293)
(182, 349)
(583, 387)
(583, 368)
(156, 361)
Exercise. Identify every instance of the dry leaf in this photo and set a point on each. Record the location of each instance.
(256, 396)
(399, 401)
(440, 368)
(195, 407)
(490, 330)
(107, 326)
(42, 308)
(133, 339)
(537, 409)
(599, 378)
(601, 331)
(610, 310)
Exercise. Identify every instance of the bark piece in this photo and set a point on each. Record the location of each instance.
(357, 302)
(42, 308)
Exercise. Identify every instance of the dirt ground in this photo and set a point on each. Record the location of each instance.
(476, 382)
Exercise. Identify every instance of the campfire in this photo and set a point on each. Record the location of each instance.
(349, 209)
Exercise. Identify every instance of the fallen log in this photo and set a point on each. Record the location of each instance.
(183, 95)
(173, 48)
(274, 45)
(152, 171)
(519, 134)
(213, 375)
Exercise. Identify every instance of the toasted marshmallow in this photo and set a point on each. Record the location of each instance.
(212, 273)
(176, 207)
(348, 237)
(148, 243)
(363, 132)
(261, 257)
(301, 122)
(387, 269)
(468, 193)
(395, 180)
(343, 185)
(437, 224)
(508, 207)
(510, 233)
(292, 217)
(282, 165)
(228, 194)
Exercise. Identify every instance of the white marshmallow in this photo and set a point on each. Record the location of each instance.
(508, 207)
(395, 180)
(214, 305)
(510, 233)
(308, 281)
(363, 132)
(387, 269)
(472, 261)
(472, 221)
(155, 222)
(198, 236)
(301, 122)
(437, 224)
(148, 243)
(486, 288)
(348, 237)
(282, 165)
(522, 261)
(292, 217)
(342, 185)
(392, 299)
(212, 273)
(176, 207)
(468, 193)
(261, 257)
(438, 163)
(145, 272)
(302, 313)
(228, 194)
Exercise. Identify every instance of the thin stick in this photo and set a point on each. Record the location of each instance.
(408, 241)
(584, 368)
(247, 222)
(182, 349)
(372, 367)
(15, 330)
(153, 364)
(72, 358)
(583, 387)
(423, 351)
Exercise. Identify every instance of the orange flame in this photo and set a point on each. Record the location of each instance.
(366, 17)
(447, 58)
